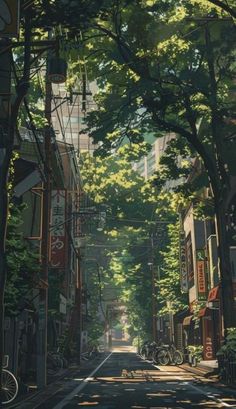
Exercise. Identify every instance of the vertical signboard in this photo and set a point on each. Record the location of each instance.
(9, 18)
(208, 349)
(201, 275)
(183, 264)
(189, 261)
(58, 230)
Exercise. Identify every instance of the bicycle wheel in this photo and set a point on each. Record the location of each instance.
(143, 352)
(178, 358)
(9, 387)
(155, 356)
(163, 357)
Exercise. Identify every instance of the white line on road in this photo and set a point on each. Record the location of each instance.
(81, 386)
(212, 397)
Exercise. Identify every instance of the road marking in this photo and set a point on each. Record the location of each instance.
(212, 397)
(81, 386)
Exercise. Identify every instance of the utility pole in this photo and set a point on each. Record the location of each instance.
(79, 317)
(154, 301)
(45, 244)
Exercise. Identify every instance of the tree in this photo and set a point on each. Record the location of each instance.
(170, 68)
(169, 285)
(135, 209)
(39, 15)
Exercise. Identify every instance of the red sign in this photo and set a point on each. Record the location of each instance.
(213, 294)
(58, 234)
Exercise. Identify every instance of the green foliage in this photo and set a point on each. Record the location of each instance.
(134, 209)
(229, 347)
(22, 264)
(196, 351)
(167, 67)
(170, 295)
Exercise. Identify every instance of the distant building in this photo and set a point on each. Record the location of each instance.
(69, 111)
(147, 166)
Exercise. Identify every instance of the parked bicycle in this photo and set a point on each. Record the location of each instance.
(54, 361)
(147, 350)
(9, 383)
(158, 348)
(91, 353)
(168, 354)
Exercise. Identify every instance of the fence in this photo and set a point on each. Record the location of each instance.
(227, 368)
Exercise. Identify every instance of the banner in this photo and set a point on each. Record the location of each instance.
(183, 264)
(201, 275)
(9, 18)
(58, 229)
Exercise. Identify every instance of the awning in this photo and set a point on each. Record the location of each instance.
(214, 294)
(26, 176)
(187, 320)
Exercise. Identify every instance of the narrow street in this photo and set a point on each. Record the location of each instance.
(123, 380)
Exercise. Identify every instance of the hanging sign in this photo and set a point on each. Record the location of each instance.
(9, 18)
(58, 230)
(201, 275)
(183, 264)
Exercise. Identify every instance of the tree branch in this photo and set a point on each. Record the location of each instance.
(224, 7)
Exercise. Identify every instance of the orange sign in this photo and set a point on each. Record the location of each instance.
(213, 294)
(201, 275)
(9, 18)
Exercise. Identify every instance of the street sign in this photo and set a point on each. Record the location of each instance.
(9, 18)
(201, 275)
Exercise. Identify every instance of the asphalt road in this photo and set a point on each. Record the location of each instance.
(123, 380)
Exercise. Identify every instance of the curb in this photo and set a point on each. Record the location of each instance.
(198, 370)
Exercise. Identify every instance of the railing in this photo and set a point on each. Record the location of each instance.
(227, 368)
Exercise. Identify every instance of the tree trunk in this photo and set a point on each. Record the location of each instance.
(227, 291)
(8, 121)
(5, 156)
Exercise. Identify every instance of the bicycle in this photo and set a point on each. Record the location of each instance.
(158, 348)
(170, 355)
(147, 349)
(90, 353)
(54, 361)
(9, 383)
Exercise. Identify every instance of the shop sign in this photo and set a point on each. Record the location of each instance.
(58, 231)
(201, 275)
(213, 294)
(208, 349)
(183, 264)
(9, 18)
(189, 261)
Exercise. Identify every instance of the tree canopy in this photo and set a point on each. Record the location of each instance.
(135, 233)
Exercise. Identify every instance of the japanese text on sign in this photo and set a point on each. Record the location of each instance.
(58, 234)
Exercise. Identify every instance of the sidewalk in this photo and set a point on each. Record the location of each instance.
(208, 365)
(204, 368)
